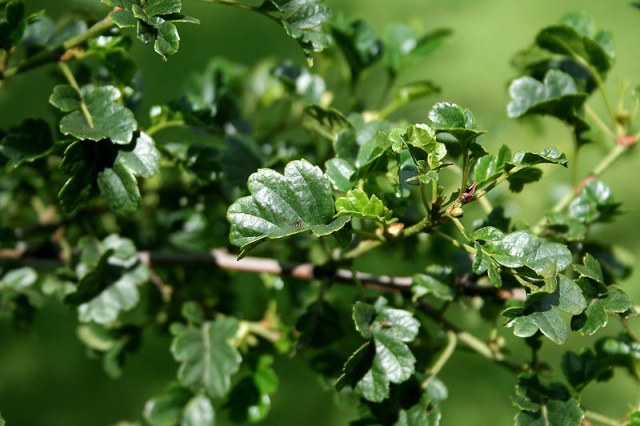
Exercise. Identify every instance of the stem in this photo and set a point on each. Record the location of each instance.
(164, 125)
(454, 242)
(425, 198)
(601, 418)
(613, 156)
(55, 54)
(236, 4)
(461, 228)
(598, 122)
(416, 228)
(452, 342)
(73, 83)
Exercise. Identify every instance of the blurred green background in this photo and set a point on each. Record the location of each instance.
(45, 376)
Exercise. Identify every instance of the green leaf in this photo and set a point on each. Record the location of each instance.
(198, 412)
(103, 117)
(389, 329)
(167, 40)
(12, 24)
(548, 155)
(167, 409)
(423, 413)
(319, 326)
(207, 360)
(303, 21)
(421, 141)
(459, 122)
(109, 275)
(557, 96)
(590, 269)
(437, 280)
(522, 248)
(566, 413)
(404, 46)
(109, 168)
(594, 204)
(359, 43)
(328, 122)
(543, 311)
(576, 36)
(601, 301)
(357, 204)
(249, 400)
(339, 173)
(415, 90)
(283, 205)
(28, 142)
(489, 167)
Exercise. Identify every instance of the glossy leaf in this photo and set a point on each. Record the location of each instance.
(594, 204)
(207, 360)
(357, 204)
(548, 155)
(544, 311)
(198, 412)
(458, 122)
(522, 248)
(339, 172)
(557, 96)
(101, 118)
(28, 142)
(302, 20)
(555, 412)
(283, 205)
(490, 167)
(389, 330)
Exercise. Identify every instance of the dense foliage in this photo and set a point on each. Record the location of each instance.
(135, 218)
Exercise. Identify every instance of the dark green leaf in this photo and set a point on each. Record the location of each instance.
(339, 172)
(458, 122)
(601, 301)
(393, 362)
(566, 413)
(319, 326)
(329, 122)
(249, 399)
(206, 358)
(424, 413)
(590, 269)
(548, 155)
(13, 24)
(26, 143)
(359, 43)
(283, 205)
(167, 40)
(543, 311)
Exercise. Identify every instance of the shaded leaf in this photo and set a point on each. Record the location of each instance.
(594, 204)
(283, 205)
(26, 143)
(167, 409)
(249, 399)
(359, 43)
(437, 280)
(207, 360)
(404, 46)
(319, 326)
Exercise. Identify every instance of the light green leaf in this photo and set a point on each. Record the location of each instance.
(339, 172)
(103, 118)
(198, 412)
(548, 155)
(594, 204)
(283, 205)
(357, 204)
(207, 360)
(490, 167)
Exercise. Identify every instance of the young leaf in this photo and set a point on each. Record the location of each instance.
(490, 167)
(94, 113)
(594, 204)
(357, 204)
(207, 359)
(283, 205)
(543, 311)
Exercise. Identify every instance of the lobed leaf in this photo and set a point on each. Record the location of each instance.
(594, 204)
(207, 360)
(357, 204)
(283, 205)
